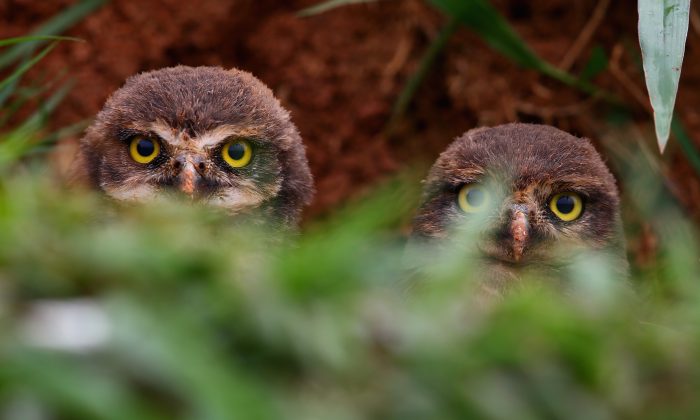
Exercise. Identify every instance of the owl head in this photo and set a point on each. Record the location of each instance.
(532, 197)
(212, 135)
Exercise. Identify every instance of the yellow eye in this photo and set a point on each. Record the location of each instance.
(473, 198)
(237, 153)
(566, 206)
(144, 149)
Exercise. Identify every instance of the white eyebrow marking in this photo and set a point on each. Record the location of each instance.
(220, 133)
(169, 134)
(206, 140)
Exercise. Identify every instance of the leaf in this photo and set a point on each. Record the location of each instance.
(21, 39)
(596, 63)
(329, 5)
(663, 28)
(78, 388)
(26, 66)
(483, 18)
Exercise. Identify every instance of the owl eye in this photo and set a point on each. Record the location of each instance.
(237, 153)
(473, 198)
(143, 149)
(566, 206)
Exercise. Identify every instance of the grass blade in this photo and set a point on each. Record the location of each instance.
(663, 28)
(596, 64)
(22, 95)
(329, 5)
(484, 19)
(38, 118)
(7, 92)
(426, 64)
(25, 139)
(26, 66)
(57, 24)
(22, 39)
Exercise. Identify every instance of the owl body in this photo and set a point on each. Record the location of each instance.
(213, 135)
(533, 198)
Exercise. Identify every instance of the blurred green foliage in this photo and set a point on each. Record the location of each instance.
(206, 319)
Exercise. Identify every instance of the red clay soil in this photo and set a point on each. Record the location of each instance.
(340, 72)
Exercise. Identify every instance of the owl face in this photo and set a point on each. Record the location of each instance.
(528, 196)
(211, 135)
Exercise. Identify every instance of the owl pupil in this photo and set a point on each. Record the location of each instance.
(475, 197)
(145, 147)
(565, 204)
(236, 151)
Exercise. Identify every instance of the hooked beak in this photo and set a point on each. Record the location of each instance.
(188, 179)
(189, 174)
(520, 231)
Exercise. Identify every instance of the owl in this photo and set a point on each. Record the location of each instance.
(211, 135)
(529, 200)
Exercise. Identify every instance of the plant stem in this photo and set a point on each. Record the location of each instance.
(427, 62)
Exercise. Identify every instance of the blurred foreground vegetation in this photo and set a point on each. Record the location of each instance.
(171, 311)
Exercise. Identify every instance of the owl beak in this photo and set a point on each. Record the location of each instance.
(519, 229)
(188, 179)
(188, 176)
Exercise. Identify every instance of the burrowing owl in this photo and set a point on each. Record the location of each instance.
(533, 197)
(217, 136)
